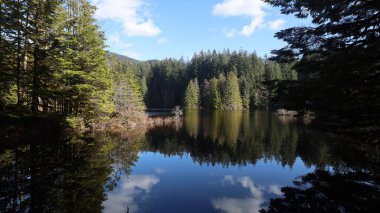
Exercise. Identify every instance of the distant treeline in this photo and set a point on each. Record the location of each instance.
(163, 83)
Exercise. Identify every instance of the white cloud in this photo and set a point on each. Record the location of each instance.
(253, 203)
(133, 186)
(160, 170)
(249, 29)
(242, 205)
(254, 9)
(276, 24)
(228, 179)
(250, 8)
(133, 14)
(162, 40)
(275, 189)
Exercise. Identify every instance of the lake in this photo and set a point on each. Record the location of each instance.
(211, 161)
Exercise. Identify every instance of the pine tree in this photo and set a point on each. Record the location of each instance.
(205, 95)
(192, 95)
(214, 94)
(127, 96)
(85, 79)
(246, 93)
(231, 93)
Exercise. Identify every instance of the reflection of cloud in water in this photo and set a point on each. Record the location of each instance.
(228, 179)
(133, 186)
(160, 170)
(275, 189)
(253, 203)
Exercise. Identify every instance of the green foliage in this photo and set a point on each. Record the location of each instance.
(126, 96)
(231, 99)
(166, 80)
(53, 59)
(214, 94)
(337, 61)
(192, 99)
(273, 71)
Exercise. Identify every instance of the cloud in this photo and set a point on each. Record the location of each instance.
(253, 203)
(249, 29)
(275, 189)
(254, 9)
(228, 179)
(250, 8)
(162, 40)
(276, 24)
(160, 170)
(133, 14)
(133, 186)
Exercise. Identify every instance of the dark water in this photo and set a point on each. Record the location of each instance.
(210, 162)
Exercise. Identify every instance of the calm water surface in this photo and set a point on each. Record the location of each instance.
(209, 162)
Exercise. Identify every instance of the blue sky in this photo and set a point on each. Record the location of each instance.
(158, 29)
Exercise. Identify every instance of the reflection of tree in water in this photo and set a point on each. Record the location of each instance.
(255, 135)
(46, 173)
(322, 191)
(192, 122)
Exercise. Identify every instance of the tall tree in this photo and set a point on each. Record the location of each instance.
(192, 99)
(231, 93)
(214, 94)
(338, 62)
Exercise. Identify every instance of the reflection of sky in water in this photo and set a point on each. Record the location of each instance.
(131, 187)
(160, 183)
(253, 203)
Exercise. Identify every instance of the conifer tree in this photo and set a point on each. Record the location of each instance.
(127, 96)
(231, 93)
(192, 95)
(214, 94)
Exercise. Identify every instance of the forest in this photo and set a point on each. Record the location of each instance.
(53, 61)
(164, 84)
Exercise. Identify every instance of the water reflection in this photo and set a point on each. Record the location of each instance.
(324, 191)
(216, 161)
(126, 198)
(241, 138)
(61, 172)
(253, 203)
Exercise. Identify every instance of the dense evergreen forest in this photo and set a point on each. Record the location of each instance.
(53, 60)
(166, 83)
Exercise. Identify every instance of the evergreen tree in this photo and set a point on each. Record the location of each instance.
(246, 93)
(273, 71)
(231, 93)
(127, 96)
(337, 60)
(205, 95)
(192, 95)
(214, 94)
